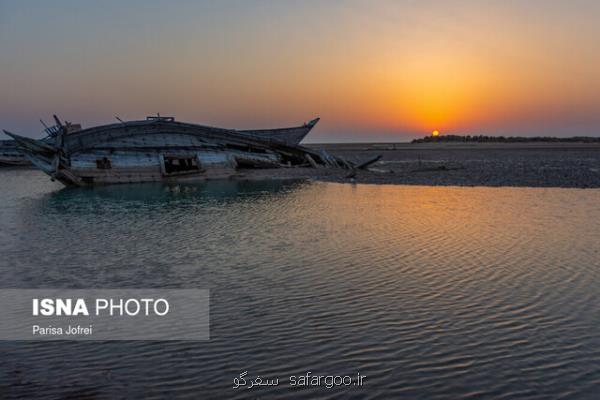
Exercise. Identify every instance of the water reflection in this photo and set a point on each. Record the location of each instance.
(160, 194)
(431, 292)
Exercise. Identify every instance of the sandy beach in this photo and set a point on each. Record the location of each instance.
(571, 165)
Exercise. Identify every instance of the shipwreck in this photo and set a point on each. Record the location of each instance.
(10, 155)
(162, 149)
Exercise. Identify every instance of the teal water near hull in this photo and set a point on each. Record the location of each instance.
(430, 292)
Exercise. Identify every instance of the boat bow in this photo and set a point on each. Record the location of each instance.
(47, 156)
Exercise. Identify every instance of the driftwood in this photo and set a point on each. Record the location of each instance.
(360, 166)
(365, 164)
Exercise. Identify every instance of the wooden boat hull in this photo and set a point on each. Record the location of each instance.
(161, 149)
(14, 162)
(290, 136)
(148, 166)
(10, 156)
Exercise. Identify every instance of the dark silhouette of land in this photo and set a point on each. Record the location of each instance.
(505, 139)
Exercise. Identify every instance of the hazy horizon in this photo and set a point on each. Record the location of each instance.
(385, 71)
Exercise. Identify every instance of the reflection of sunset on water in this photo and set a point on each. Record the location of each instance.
(457, 230)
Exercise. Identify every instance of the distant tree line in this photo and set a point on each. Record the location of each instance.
(504, 139)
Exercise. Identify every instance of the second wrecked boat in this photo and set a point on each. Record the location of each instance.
(162, 149)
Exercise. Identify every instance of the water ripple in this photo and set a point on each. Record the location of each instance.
(431, 292)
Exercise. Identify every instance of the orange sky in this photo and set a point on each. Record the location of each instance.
(386, 70)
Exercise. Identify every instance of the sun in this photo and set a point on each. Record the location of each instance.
(435, 133)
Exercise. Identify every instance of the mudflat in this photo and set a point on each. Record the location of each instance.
(570, 165)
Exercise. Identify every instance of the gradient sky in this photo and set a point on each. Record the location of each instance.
(372, 70)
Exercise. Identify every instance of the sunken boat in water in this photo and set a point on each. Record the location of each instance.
(163, 149)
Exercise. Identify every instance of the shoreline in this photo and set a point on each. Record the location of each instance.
(542, 165)
(562, 165)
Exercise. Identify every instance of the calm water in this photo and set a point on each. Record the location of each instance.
(431, 292)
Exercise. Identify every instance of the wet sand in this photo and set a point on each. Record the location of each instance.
(572, 165)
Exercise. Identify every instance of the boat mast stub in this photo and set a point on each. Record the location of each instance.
(157, 117)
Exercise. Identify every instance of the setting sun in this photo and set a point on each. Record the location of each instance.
(435, 133)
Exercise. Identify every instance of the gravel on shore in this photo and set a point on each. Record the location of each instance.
(524, 165)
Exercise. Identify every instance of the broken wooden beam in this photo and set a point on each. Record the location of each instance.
(311, 161)
(365, 164)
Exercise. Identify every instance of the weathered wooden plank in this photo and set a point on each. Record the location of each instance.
(365, 164)
(311, 161)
